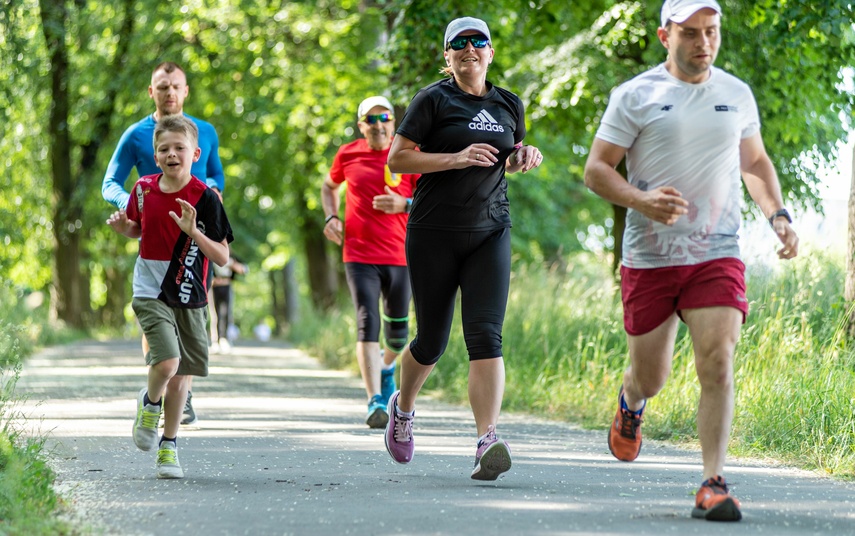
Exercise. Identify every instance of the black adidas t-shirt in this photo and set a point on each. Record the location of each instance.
(442, 118)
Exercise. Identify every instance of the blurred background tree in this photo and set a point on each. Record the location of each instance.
(280, 81)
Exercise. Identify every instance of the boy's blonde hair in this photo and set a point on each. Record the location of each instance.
(179, 124)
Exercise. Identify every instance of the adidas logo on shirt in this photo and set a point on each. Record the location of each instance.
(485, 121)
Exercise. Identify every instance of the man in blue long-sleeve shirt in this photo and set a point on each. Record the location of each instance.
(168, 90)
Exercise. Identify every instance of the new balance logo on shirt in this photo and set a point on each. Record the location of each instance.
(667, 108)
(485, 121)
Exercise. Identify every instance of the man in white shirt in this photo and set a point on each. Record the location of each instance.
(690, 133)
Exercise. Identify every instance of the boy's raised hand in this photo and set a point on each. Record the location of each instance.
(119, 221)
(187, 220)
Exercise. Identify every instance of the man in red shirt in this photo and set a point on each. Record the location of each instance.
(377, 204)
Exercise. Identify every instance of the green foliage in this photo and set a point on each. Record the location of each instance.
(28, 503)
(329, 335)
(796, 371)
(280, 82)
(25, 218)
(795, 55)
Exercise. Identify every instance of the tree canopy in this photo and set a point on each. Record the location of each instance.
(280, 81)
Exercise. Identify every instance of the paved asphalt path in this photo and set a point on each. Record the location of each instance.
(281, 448)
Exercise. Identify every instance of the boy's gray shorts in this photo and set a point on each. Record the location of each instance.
(172, 332)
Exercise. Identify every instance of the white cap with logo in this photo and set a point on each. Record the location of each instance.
(680, 10)
(457, 26)
(366, 105)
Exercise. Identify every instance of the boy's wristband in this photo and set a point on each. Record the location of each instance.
(331, 216)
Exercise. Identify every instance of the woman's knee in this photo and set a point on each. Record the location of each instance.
(427, 354)
(483, 339)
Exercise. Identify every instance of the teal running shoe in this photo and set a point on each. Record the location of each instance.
(377, 416)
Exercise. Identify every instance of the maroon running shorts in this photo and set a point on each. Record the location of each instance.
(650, 295)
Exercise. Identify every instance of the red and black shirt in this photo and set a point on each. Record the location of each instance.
(170, 266)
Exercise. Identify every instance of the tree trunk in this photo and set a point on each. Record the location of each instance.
(849, 293)
(285, 303)
(322, 276)
(117, 273)
(71, 283)
(72, 299)
(292, 297)
(276, 307)
(112, 314)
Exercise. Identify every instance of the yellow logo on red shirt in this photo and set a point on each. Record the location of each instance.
(392, 179)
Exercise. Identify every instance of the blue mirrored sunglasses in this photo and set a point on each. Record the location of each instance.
(459, 43)
(382, 118)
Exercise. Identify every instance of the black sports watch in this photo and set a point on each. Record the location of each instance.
(783, 213)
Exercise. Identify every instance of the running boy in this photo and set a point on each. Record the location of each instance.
(181, 224)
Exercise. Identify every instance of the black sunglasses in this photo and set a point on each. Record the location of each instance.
(382, 118)
(459, 43)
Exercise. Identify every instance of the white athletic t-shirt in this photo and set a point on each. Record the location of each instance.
(686, 136)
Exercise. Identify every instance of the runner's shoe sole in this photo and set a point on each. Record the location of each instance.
(377, 418)
(726, 510)
(495, 461)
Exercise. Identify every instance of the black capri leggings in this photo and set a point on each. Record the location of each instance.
(367, 282)
(479, 264)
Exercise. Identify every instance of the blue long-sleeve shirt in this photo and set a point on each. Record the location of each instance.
(136, 149)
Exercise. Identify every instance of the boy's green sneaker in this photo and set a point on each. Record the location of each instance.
(167, 461)
(145, 424)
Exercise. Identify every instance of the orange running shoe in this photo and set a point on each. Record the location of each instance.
(625, 432)
(714, 503)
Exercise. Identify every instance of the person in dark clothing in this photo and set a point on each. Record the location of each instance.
(462, 134)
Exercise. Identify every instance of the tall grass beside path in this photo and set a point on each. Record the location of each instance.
(565, 353)
(28, 503)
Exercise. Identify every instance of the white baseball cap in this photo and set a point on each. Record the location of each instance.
(680, 10)
(366, 105)
(457, 26)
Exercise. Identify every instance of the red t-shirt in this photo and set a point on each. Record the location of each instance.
(371, 236)
(170, 266)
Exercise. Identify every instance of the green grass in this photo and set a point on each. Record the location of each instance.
(28, 503)
(565, 353)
